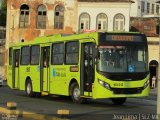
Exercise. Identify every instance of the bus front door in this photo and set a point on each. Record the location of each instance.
(87, 68)
(15, 79)
(45, 53)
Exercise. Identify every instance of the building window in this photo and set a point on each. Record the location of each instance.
(84, 22)
(41, 18)
(59, 17)
(119, 22)
(148, 8)
(102, 21)
(157, 9)
(58, 53)
(153, 8)
(72, 50)
(147, 27)
(24, 16)
(142, 6)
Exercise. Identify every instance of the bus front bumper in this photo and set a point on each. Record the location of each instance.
(103, 92)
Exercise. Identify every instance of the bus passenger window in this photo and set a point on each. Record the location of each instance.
(35, 53)
(45, 63)
(72, 52)
(45, 58)
(57, 53)
(17, 63)
(17, 58)
(25, 55)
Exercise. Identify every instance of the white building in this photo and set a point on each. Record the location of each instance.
(145, 13)
(108, 15)
(145, 8)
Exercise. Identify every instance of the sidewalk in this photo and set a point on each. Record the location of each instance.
(1, 72)
(153, 91)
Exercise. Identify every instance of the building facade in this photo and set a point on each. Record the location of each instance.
(100, 15)
(145, 8)
(146, 25)
(2, 40)
(145, 18)
(27, 19)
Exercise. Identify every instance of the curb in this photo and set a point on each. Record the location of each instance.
(31, 115)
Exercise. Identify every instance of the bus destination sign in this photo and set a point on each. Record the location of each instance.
(122, 38)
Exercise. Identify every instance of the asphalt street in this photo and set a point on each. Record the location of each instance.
(137, 108)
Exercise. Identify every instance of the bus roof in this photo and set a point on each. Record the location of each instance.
(65, 37)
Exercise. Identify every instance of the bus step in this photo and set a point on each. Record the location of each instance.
(44, 93)
(86, 96)
(15, 88)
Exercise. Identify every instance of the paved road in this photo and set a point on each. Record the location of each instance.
(93, 109)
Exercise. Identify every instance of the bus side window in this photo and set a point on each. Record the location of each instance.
(25, 55)
(72, 53)
(17, 59)
(17, 64)
(35, 53)
(45, 62)
(57, 53)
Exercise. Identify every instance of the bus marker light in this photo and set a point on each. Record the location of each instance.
(106, 85)
(63, 112)
(74, 69)
(146, 84)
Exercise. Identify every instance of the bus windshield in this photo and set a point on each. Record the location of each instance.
(122, 59)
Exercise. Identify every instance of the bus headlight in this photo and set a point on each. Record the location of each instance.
(101, 82)
(104, 84)
(146, 84)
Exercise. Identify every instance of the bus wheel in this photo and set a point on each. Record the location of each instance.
(29, 90)
(75, 93)
(118, 101)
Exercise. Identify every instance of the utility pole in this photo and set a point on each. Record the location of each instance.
(158, 92)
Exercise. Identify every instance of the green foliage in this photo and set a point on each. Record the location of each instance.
(3, 13)
(4, 5)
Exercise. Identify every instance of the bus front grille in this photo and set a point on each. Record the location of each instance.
(127, 90)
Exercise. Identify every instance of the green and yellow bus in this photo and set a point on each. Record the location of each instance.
(90, 65)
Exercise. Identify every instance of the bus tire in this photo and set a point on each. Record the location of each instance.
(118, 101)
(75, 94)
(28, 89)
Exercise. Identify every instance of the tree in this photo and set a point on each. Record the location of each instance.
(3, 12)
